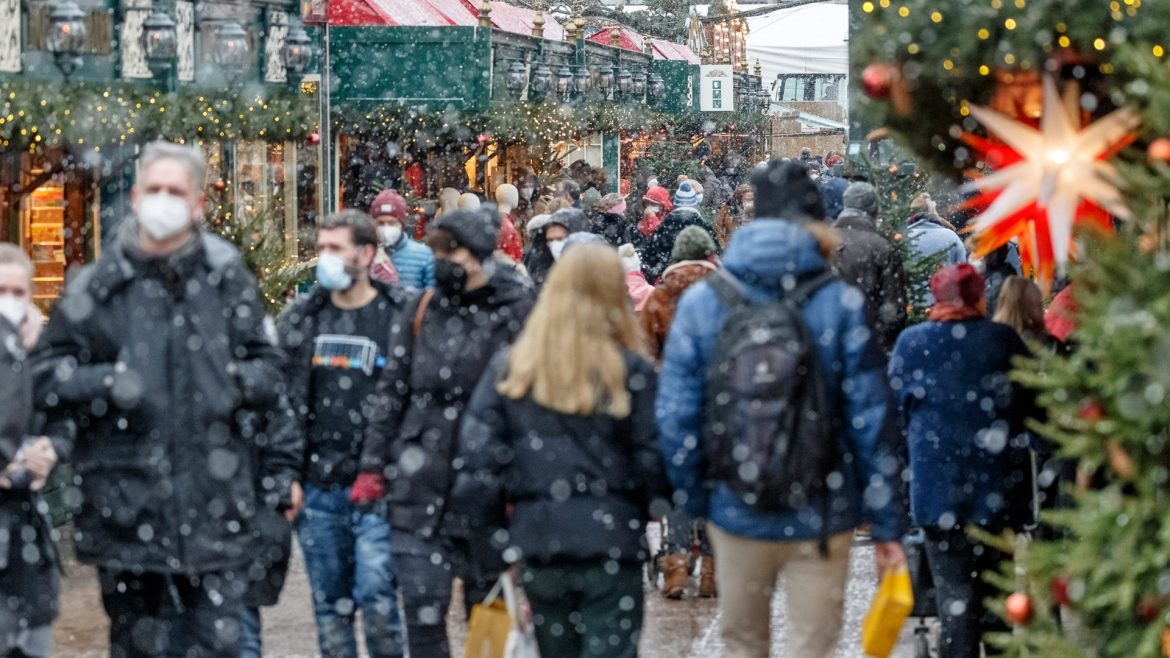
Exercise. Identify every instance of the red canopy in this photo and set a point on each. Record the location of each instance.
(438, 13)
(630, 40)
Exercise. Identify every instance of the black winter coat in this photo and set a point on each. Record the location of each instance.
(28, 555)
(655, 251)
(869, 261)
(428, 379)
(582, 486)
(614, 228)
(158, 361)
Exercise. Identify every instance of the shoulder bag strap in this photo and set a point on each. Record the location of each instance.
(421, 311)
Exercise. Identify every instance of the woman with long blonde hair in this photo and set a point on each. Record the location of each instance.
(561, 427)
(1021, 307)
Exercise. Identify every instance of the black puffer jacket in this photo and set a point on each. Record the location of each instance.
(582, 486)
(869, 261)
(425, 386)
(158, 360)
(655, 251)
(28, 556)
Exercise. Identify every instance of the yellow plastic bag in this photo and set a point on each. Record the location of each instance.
(891, 607)
(488, 630)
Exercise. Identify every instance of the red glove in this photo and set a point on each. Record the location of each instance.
(367, 489)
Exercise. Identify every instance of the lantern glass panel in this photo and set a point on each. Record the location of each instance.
(67, 31)
(584, 80)
(159, 39)
(232, 49)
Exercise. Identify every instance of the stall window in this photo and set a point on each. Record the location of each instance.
(59, 226)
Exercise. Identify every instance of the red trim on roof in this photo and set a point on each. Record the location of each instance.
(438, 13)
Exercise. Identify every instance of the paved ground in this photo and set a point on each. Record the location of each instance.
(683, 629)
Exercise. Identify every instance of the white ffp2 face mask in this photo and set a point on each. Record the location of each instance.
(389, 235)
(163, 216)
(557, 247)
(14, 309)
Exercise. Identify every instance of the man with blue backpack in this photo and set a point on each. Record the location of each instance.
(774, 414)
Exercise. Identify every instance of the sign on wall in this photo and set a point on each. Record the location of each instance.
(716, 88)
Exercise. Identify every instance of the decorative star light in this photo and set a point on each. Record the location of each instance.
(1047, 181)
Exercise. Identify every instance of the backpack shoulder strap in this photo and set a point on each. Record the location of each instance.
(421, 311)
(727, 289)
(808, 287)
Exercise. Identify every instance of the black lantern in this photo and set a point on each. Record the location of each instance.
(232, 51)
(639, 84)
(66, 36)
(515, 77)
(159, 41)
(564, 80)
(625, 81)
(605, 79)
(298, 52)
(541, 81)
(765, 100)
(582, 80)
(655, 86)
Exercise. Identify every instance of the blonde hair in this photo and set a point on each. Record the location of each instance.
(1020, 305)
(584, 309)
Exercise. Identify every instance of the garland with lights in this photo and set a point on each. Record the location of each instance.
(1098, 586)
(34, 114)
(527, 123)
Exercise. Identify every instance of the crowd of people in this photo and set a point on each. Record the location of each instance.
(513, 399)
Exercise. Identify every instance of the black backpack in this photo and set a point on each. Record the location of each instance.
(769, 433)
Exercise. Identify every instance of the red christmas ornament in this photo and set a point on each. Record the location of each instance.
(314, 139)
(1148, 609)
(1091, 411)
(877, 80)
(1159, 150)
(1019, 608)
(1060, 590)
(219, 185)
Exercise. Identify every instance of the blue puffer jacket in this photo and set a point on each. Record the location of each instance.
(415, 264)
(761, 255)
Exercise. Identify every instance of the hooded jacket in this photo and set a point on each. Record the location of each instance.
(538, 259)
(28, 554)
(762, 256)
(424, 388)
(869, 261)
(660, 196)
(154, 359)
(660, 307)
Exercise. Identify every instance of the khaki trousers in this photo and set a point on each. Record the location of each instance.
(747, 571)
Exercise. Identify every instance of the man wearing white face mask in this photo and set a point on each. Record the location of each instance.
(413, 260)
(337, 343)
(151, 356)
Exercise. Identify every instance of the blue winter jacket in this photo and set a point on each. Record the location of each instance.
(964, 419)
(415, 263)
(762, 255)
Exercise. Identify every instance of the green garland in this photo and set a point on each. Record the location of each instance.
(528, 123)
(100, 115)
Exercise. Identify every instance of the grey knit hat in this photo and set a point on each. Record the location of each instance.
(861, 196)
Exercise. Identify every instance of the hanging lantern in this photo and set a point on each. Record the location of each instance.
(66, 35)
(541, 80)
(515, 77)
(159, 41)
(298, 52)
(655, 86)
(232, 51)
(605, 79)
(625, 81)
(639, 84)
(583, 80)
(564, 80)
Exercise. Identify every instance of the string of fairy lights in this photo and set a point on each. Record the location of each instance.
(100, 116)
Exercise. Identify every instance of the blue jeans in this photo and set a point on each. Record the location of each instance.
(349, 563)
(250, 644)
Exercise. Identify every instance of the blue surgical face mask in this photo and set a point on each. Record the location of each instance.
(332, 273)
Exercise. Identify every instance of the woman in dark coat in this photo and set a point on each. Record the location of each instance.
(570, 445)
(968, 449)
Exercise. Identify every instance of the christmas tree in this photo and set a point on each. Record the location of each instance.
(1063, 108)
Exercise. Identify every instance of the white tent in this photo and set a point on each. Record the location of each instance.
(812, 38)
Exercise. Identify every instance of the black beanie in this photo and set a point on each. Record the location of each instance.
(785, 191)
(476, 230)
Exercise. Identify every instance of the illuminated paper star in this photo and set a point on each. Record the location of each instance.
(1047, 181)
